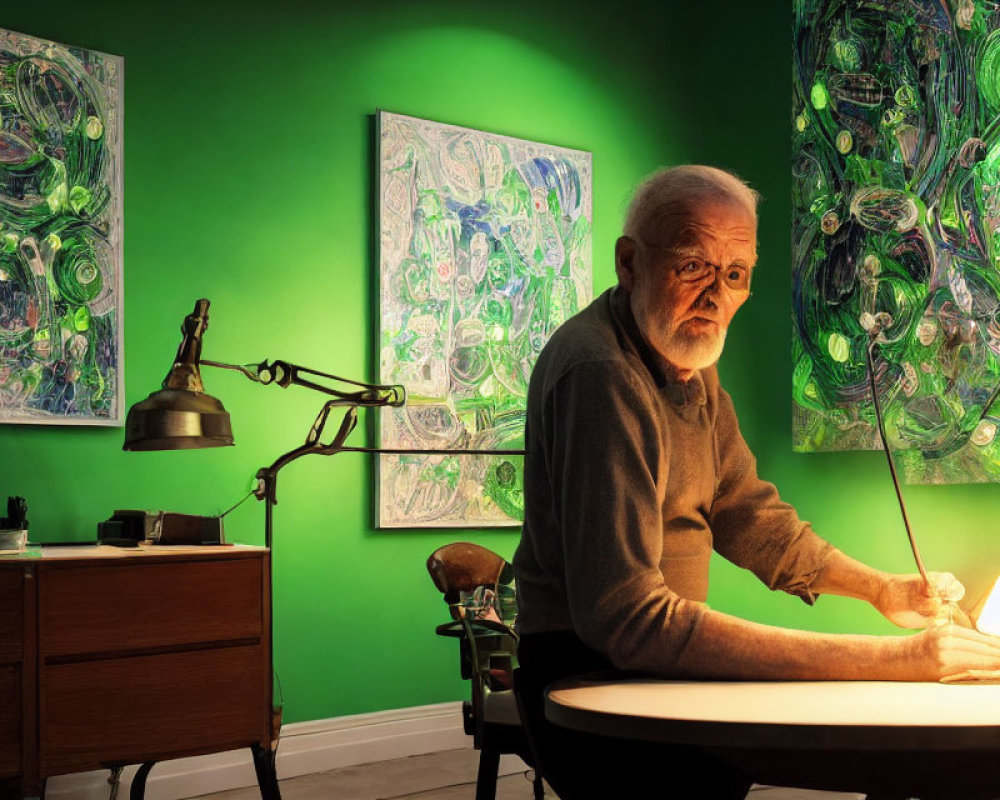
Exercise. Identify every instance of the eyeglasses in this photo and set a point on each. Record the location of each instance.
(692, 269)
(736, 277)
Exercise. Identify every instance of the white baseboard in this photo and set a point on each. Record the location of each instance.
(305, 747)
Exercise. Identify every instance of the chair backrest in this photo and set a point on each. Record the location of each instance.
(462, 567)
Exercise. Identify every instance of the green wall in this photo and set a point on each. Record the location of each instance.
(248, 173)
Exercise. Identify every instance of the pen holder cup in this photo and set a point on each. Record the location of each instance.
(13, 540)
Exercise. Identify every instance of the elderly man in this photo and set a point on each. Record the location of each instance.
(636, 470)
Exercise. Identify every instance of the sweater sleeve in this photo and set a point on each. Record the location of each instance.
(752, 526)
(607, 453)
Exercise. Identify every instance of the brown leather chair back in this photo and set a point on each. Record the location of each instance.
(461, 567)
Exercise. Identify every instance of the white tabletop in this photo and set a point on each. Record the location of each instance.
(848, 715)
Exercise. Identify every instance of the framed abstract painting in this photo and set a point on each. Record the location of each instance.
(60, 233)
(896, 231)
(484, 249)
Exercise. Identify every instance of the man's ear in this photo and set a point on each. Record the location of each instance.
(625, 256)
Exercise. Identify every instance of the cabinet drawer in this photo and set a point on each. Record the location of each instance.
(151, 708)
(10, 721)
(129, 607)
(11, 614)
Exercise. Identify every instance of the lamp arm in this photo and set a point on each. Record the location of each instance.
(285, 374)
(267, 476)
(241, 368)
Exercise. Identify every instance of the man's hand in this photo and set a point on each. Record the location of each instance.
(955, 655)
(909, 602)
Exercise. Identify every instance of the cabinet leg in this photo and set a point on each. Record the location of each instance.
(16, 789)
(267, 775)
(138, 790)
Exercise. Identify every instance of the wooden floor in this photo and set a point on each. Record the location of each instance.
(450, 775)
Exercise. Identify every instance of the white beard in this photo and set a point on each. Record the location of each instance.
(694, 352)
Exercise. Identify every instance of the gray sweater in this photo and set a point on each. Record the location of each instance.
(631, 479)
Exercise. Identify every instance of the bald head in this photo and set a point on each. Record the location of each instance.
(675, 194)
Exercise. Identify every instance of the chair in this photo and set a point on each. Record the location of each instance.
(478, 586)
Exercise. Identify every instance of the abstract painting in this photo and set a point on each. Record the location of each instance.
(896, 231)
(60, 233)
(485, 248)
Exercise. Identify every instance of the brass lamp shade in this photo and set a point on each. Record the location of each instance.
(180, 416)
(177, 419)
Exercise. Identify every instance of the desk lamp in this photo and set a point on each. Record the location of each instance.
(182, 416)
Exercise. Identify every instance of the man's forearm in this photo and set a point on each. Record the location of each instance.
(910, 601)
(843, 575)
(723, 646)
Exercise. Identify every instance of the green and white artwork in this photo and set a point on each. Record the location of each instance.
(484, 249)
(60, 233)
(896, 231)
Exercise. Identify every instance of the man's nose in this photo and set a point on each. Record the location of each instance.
(710, 294)
(713, 285)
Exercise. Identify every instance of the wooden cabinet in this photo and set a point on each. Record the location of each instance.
(13, 691)
(111, 656)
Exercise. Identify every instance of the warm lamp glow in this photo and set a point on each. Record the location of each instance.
(989, 619)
